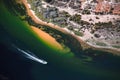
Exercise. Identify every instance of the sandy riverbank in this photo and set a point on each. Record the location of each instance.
(46, 37)
(37, 20)
(82, 42)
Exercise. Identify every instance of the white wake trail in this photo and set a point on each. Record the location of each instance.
(30, 56)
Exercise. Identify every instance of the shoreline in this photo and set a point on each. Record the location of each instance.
(84, 44)
(46, 37)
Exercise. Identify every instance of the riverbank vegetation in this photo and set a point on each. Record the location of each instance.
(64, 39)
(15, 8)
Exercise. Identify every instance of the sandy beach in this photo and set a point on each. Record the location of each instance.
(38, 21)
(82, 42)
(46, 37)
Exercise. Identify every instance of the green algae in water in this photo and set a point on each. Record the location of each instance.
(20, 30)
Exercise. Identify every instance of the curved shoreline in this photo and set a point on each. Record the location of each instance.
(47, 38)
(82, 42)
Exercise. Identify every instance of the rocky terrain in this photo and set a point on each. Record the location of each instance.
(95, 21)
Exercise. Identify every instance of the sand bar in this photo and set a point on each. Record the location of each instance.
(46, 37)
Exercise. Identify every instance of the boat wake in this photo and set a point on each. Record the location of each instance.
(30, 55)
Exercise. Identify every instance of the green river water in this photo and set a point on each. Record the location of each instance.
(62, 65)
